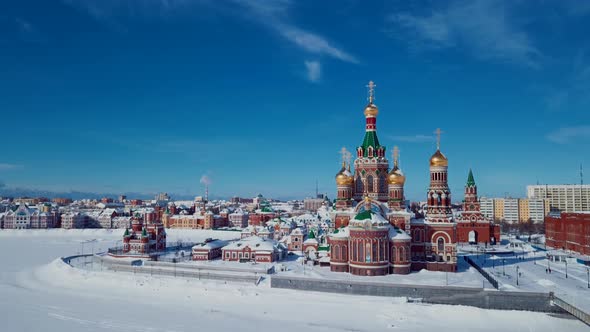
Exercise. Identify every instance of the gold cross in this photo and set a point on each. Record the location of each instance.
(438, 132)
(371, 87)
(395, 155)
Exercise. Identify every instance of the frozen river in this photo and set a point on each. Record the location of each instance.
(40, 293)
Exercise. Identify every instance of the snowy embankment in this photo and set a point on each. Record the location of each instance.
(56, 297)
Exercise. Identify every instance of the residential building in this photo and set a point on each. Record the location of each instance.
(564, 198)
(73, 219)
(313, 204)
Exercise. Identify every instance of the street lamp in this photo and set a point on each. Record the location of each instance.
(517, 275)
(588, 274)
(566, 268)
(503, 270)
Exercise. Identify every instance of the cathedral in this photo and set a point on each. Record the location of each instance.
(374, 233)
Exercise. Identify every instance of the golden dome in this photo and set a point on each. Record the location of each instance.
(439, 159)
(396, 176)
(344, 177)
(371, 110)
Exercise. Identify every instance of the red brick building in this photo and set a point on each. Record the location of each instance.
(209, 250)
(144, 239)
(473, 226)
(254, 248)
(373, 238)
(568, 231)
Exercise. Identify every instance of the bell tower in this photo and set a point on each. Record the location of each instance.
(371, 165)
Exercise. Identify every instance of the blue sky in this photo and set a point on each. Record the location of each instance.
(259, 96)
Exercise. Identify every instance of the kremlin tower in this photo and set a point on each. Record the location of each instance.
(472, 226)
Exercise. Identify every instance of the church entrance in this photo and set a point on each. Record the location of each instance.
(473, 237)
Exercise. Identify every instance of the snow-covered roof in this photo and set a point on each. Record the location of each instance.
(215, 244)
(342, 232)
(396, 234)
(368, 218)
(255, 243)
(310, 241)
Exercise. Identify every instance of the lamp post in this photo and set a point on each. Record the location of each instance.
(566, 268)
(503, 270)
(588, 274)
(517, 275)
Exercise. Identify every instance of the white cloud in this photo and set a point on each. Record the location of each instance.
(569, 134)
(314, 70)
(273, 14)
(486, 28)
(312, 43)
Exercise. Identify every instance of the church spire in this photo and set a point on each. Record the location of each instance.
(470, 179)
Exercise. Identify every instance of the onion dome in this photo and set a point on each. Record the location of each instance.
(371, 110)
(396, 176)
(344, 177)
(439, 159)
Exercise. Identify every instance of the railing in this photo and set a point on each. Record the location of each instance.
(484, 273)
(574, 311)
(118, 251)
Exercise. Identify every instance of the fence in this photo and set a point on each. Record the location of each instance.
(475, 297)
(118, 251)
(574, 311)
(484, 273)
(249, 274)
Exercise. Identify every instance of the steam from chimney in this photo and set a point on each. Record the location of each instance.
(205, 180)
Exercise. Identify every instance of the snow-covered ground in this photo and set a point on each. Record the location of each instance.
(39, 292)
(534, 276)
(466, 277)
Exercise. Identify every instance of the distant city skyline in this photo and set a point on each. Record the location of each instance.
(260, 96)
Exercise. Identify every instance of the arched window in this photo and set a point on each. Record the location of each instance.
(354, 252)
(374, 257)
(370, 183)
(343, 255)
(359, 185)
(441, 244)
(382, 183)
(361, 252)
(393, 255)
(402, 253)
(368, 251)
(408, 254)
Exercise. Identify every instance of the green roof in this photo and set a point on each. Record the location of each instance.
(364, 215)
(370, 140)
(311, 234)
(126, 232)
(144, 232)
(470, 179)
